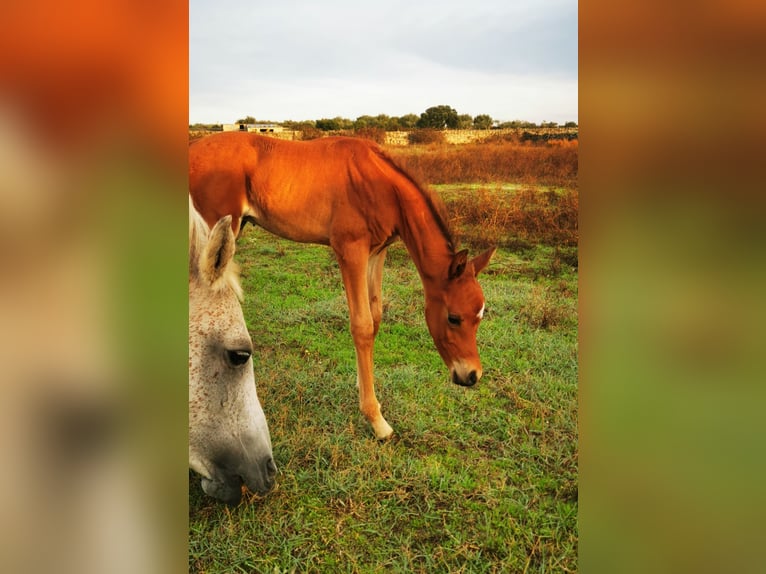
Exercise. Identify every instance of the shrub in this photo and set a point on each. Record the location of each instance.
(545, 137)
(502, 137)
(378, 135)
(545, 309)
(311, 133)
(517, 219)
(426, 136)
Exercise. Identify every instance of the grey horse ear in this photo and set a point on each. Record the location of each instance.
(458, 264)
(218, 251)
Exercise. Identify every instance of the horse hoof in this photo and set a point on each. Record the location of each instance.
(383, 430)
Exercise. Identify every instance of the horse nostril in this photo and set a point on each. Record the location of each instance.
(271, 468)
(271, 474)
(469, 381)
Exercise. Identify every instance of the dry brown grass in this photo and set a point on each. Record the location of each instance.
(553, 163)
(546, 309)
(543, 210)
(515, 218)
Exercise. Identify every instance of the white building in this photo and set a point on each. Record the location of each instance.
(257, 128)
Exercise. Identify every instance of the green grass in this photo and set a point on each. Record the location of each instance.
(482, 479)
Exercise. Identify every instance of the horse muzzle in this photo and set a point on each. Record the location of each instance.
(228, 490)
(227, 487)
(464, 375)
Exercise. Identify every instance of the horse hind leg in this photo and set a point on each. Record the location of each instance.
(354, 269)
(375, 287)
(244, 220)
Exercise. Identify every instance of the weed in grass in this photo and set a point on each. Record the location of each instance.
(547, 309)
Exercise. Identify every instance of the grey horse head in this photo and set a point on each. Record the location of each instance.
(229, 441)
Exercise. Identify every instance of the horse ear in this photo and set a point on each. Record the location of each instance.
(481, 261)
(218, 251)
(458, 264)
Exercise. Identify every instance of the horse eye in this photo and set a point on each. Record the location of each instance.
(238, 357)
(454, 320)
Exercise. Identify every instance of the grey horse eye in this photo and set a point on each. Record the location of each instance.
(238, 357)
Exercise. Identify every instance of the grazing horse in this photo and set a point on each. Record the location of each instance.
(229, 440)
(348, 194)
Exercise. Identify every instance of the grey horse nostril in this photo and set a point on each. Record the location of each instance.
(271, 469)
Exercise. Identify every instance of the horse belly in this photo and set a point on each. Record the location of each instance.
(293, 217)
(288, 230)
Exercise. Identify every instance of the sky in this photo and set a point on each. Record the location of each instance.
(279, 60)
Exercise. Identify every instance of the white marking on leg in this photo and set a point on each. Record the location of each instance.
(480, 314)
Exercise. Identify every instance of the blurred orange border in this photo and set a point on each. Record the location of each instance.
(77, 70)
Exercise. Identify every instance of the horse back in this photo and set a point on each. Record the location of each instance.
(305, 191)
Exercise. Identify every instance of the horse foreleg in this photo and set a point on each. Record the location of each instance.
(354, 270)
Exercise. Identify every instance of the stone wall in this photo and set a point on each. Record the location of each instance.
(473, 136)
(402, 138)
(283, 135)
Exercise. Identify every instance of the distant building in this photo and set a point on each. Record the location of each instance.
(257, 128)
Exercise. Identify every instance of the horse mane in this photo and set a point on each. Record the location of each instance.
(198, 238)
(433, 201)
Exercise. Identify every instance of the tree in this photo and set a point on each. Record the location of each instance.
(364, 121)
(306, 127)
(334, 124)
(393, 125)
(439, 118)
(383, 121)
(464, 122)
(482, 122)
(326, 124)
(409, 121)
(247, 120)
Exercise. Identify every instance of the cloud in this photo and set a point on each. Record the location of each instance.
(302, 60)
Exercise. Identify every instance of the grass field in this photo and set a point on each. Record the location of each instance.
(480, 479)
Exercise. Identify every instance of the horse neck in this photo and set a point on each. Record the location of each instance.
(427, 244)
